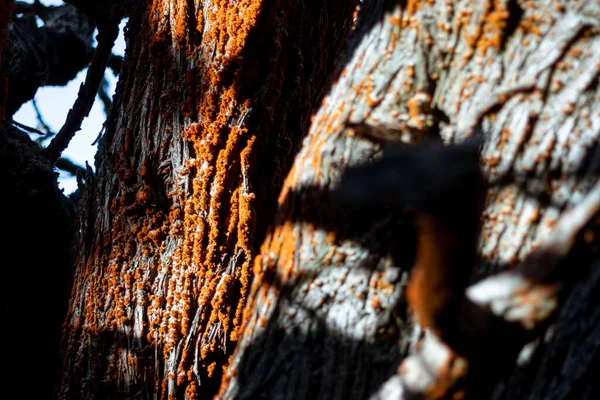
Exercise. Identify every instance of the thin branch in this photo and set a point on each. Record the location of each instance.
(40, 119)
(87, 93)
(69, 166)
(104, 96)
(26, 128)
(115, 64)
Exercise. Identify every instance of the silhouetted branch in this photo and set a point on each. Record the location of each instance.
(5, 16)
(40, 119)
(104, 96)
(115, 64)
(69, 166)
(40, 56)
(21, 7)
(26, 128)
(103, 13)
(87, 92)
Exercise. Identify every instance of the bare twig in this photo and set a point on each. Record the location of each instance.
(115, 64)
(104, 96)
(69, 166)
(87, 93)
(40, 119)
(26, 128)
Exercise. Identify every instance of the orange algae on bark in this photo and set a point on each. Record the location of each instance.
(211, 105)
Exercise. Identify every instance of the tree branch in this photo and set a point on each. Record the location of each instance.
(104, 96)
(25, 127)
(40, 119)
(115, 64)
(49, 55)
(87, 93)
(69, 166)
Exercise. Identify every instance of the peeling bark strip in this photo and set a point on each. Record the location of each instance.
(323, 295)
(213, 100)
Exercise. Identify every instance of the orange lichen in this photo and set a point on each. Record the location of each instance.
(412, 7)
(376, 303)
(180, 241)
(181, 22)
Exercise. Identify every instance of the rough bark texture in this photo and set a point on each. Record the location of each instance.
(322, 319)
(213, 100)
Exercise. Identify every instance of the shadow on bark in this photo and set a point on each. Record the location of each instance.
(317, 364)
(255, 74)
(564, 363)
(493, 349)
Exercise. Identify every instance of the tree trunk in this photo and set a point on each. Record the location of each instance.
(210, 111)
(326, 316)
(212, 103)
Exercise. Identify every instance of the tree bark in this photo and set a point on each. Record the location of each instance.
(326, 316)
(212, 103)
(211, 108)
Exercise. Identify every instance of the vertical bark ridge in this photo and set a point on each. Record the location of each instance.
(213, 99)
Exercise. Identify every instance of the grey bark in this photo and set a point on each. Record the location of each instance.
(528, 73)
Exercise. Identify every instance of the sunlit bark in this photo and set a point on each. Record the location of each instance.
(326, 318)
(212, 103)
